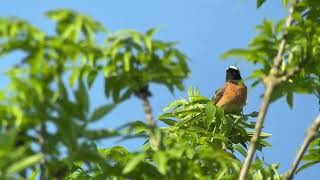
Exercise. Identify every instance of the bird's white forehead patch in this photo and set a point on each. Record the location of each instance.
(233, 67)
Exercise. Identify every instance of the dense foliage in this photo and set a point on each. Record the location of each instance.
(46, 113)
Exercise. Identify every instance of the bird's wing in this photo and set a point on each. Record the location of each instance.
(218, 95)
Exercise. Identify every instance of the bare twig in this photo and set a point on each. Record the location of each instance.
(311, 135)
(271, 81)
(42, 138)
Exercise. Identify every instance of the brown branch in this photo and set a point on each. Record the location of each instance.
(311, 135)
(155, 144)
(144, 93)
(147, 110)
(258, 127)
(271, 81)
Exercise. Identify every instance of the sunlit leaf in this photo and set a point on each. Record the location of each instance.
(24, 163)
(161, 160)
(133, 163)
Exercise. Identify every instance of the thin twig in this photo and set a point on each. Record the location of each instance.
(311, 135)
(271, 81)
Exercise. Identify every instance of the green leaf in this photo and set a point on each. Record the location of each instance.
(148, 43)
(263, 135)
(82, 96)
(257, 74)
(99, 134)
(173, 105)
(190, 92)
(101, 112)
(91, 77)
(209, 113)
(274, 168)
(24, 163)
(1, 95)
(260, 3)
(57, 15)
(126, 58)
(253, 114)
(265, 143)
(241, 150)
(285, 3)
(34, 174)
(169, 122)
(7, 139)
(161, 159)
(307, 165)
(133, 163)
(290, 99)
(151, 32)
(243, 53)
(258, 175)
(74, 76)
(148, 38)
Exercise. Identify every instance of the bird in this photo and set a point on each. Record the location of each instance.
(232, 96)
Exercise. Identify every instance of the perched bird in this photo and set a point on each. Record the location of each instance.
(233, 95)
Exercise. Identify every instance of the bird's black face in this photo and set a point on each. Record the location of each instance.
(233, 74)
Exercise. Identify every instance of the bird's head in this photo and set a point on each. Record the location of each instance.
(233, 74)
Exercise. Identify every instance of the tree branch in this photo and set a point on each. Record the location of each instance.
(147, 110)
(257, 132)
(143, 93)
(311, 135)
(271, 81)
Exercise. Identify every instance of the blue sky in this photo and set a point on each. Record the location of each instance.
(205, 29)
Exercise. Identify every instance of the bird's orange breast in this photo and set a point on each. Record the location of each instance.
(234, 97)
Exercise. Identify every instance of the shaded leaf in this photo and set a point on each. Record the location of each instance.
(241, 150)
(290, 99)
